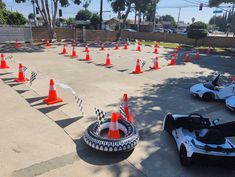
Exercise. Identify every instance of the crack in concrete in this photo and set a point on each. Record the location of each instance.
(46, 166)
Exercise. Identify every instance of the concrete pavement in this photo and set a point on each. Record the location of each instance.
(152, 94)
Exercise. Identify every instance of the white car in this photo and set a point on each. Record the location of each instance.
(211, 90)
(230, 103)
(197, 137)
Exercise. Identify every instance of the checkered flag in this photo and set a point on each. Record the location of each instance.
(122, 111)
(100, 115)
(79, 102)
(32, 77)
(24, 68)
(10, 58)
(142, 62)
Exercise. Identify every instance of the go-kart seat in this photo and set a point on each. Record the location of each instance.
(193, 123)
(211, 136)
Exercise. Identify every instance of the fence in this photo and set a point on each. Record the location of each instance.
(13, 33)
(10, 33)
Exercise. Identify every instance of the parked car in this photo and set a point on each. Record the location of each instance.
(158, 30)
(168, 31)
(129, 29)
(184, 33)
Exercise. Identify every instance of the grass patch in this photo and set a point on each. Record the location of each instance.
(202, 49)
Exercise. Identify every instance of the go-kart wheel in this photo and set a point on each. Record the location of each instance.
(207, 97)
(184, 160)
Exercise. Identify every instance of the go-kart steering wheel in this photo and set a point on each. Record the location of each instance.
(195, 114)
(198, 121)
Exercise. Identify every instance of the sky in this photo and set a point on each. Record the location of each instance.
(189, 9)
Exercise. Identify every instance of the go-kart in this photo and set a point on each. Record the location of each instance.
(212, 90)
(198, 137)
(230, 103)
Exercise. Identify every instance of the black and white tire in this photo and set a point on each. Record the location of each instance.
(207, 97)
(184, 159)
(126, 143)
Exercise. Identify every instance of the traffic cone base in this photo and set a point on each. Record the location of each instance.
(4, 64)
(154, 68)
(4, 67)
(49, 102)
(21, 80)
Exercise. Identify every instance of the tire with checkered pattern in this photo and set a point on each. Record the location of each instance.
(97, 142)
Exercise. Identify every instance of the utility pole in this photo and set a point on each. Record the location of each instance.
(179, 15)
(34, 13)
(154, 17)
(101, 13)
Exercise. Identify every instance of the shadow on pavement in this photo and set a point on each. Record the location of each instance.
(95, 157)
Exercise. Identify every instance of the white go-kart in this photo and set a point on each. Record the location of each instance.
(197, 137)
(212, 90)
(230, 103)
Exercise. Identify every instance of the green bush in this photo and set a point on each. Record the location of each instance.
(198, 25)
(197, 30)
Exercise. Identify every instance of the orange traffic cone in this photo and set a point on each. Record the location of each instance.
(197, 56)
(125, 46)
(172, 62)
(126, 109)
(86, 49)
(3, 62)
(108, 62)
(139, 43)
(52, 96)
(113, 132)
(138, 48)
(155, 50)
(64, 51)
(47, 43)
(138, 68)
(74, 55)
(17, 45)
(88, 56)
(156, 44)
(155, 66)
(116, 46)
(187, 58)
(21, 76)
(102, 47)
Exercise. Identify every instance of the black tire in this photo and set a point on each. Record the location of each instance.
(169, 123)
(184, 160)
(100, 143)
(207, 97)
